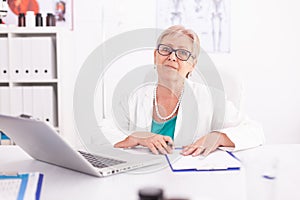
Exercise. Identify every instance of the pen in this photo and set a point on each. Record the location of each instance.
(269, 177)
(230, 153)
(173, 147)
(169, 144)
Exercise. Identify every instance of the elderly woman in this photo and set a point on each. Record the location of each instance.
(162, 105)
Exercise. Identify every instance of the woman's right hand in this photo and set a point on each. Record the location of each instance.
(155, 142)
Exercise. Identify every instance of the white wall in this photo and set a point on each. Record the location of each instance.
(264, 49)
(265, 43)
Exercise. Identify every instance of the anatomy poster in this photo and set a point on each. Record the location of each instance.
(209, 18)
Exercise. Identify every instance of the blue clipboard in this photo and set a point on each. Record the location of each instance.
(232, 167)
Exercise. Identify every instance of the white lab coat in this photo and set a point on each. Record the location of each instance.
(197, 116)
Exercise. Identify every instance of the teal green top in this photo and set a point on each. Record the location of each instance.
(166, 128)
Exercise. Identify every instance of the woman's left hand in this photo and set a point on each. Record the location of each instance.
(207, 144)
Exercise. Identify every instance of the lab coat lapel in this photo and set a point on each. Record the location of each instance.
(146, 109)
(187, 118)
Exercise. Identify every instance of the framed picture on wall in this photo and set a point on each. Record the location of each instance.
(209, 18)
(61, 9)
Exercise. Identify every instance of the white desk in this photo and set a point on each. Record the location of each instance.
(60, 183)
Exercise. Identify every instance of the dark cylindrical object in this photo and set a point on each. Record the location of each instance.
(151, 194)
(38, 19)
(21, 20)
(50, 19)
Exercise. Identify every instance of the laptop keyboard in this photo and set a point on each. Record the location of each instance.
(99, 161)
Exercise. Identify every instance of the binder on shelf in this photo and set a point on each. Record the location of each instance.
(21, 186)
(49, 113)
(43, 58)
(48, 58)
(35, 53)
(3, 59)
(16, 106)
(16, 58)
(4, 100)
(44, 104)
(26, 73)
(38, 102)
(27, 100)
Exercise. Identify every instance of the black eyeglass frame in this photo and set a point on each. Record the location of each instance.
(174, 50)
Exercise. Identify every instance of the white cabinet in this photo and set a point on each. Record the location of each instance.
(30, 62)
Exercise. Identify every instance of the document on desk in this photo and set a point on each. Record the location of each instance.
(217, 161)
(21, 186)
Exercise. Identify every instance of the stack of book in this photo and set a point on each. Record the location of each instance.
(4, 140)
(22, 186)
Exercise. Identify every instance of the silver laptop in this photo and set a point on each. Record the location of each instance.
(43, 143)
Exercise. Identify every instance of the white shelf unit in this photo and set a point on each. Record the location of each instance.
(30, 62)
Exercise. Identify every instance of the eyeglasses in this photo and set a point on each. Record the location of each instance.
(181, 54)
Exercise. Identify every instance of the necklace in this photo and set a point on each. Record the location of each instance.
(173, 112)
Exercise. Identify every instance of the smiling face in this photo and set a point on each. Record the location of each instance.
(170, 67)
